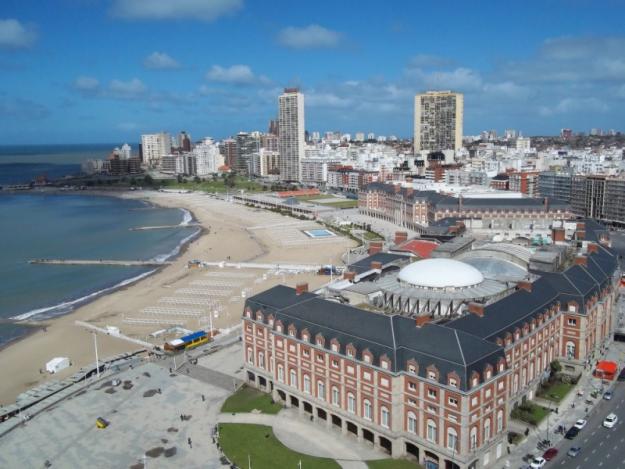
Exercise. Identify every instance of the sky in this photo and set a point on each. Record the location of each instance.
(88, 71)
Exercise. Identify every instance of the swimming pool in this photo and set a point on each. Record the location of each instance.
(320, 233)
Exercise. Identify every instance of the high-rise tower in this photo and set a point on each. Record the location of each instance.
(438, 117)
(291, 140)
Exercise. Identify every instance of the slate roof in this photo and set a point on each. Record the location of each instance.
(386, 258)
(396, 336)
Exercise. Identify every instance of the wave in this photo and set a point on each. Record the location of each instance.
(66, 307)
(186, 218)
(174, 252)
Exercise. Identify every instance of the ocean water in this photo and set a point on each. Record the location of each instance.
(23, 163)
(74, 226)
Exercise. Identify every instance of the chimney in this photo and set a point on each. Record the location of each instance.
(524, 285)
(476, 308)
(580, 234)
(420, 321)
(592, 247)
(375, 247)
(349, 275)
(400, 237)
(301, 288)
(581, 226)
(581, 260)
(557, 234)
(376, 265)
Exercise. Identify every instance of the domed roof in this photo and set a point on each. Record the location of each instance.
(440, 273)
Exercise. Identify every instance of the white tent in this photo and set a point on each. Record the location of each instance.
(57, 364)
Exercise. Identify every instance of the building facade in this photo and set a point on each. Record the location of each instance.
(154, 147)
(291, 140)
(555, 185)
(438, 121)
(599, 197)
(439, 393)
(248, 145)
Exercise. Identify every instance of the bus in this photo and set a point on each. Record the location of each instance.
(187, 342)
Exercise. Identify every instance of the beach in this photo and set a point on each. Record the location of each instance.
(176, 294)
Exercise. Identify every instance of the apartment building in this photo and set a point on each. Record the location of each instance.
(599, 197)
(291, 140)
(438, 121)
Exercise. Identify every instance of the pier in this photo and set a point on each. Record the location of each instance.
(119, 263)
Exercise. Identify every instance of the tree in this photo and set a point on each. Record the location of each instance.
(555, 366)
(147, 180)
(231, 180)
(197, 179)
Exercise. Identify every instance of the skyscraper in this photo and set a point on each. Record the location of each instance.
(291, 141)
(248, 144)
(438, 117)
(154, 147)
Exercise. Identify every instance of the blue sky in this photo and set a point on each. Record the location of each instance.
(106, 71)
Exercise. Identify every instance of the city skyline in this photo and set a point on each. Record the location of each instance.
(89, 72)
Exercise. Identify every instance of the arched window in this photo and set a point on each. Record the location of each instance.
(307, 384)
(293, 378)
(335, 395)
(367, 410)
(280, 373)
(499, 421)
(487, 429)
(384, 417)
(473, 438)
(412, 422)
(321, 390)
(432, 431)
(261, 360)
(351, 403)
(570, 350)
(250, 356)
(452, 439)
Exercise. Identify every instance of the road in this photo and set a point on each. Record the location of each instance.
(601, 447)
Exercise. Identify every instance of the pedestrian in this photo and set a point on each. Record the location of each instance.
(181, 418)
(203, 398)
(189, 441)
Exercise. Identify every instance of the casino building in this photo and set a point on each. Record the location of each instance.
(440, 392)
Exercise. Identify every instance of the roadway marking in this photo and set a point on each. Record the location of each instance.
(593, 451)
(600, 443)
(586, 440)
(594, 432)
(585, 459)
(607, 455)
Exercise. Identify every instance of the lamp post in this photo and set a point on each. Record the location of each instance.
(97, 361)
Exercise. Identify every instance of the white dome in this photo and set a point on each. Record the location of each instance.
(440, 273)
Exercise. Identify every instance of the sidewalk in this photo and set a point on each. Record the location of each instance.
(566, 415)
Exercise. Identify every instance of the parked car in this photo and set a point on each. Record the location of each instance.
(621, 375)
(574, 451)
(581, 423)
(610, 420)
(550, 454)
(572, 433)
(607, 395)
(538, 463)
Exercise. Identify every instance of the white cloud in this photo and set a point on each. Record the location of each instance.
(86, 84)
(126, 89)
(236, 74)
(507, 89)
(14, 35)
(460, 79)
(327, 100)
(204, 10)
(575, 105)
(309, 37)
(428, 61)
(160, 61)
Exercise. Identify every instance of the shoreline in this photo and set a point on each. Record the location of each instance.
(24, 318)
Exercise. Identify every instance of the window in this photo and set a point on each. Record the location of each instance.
(412, 402)
(292, 332)
(281, 373)
(474, 401)
(453, 382)
(453, 401)
(335, 363)
(412, 385)
(279, 328)
(306, 352)
(367, 376)
(350, 352)
(335, 395)
(250, 356)
(384, 416)
(452, 439)
(431, 375)
(261, 360)
(487, 393)
(500, 421)
(351, 403)
(292, 348)
(432, 393)
(319, 341)
(293, 378)
(412, 422)
(367, 358)
(473, 438)
(335, 347)
(384, 364)
(307, 384)
(319, 358)
(570, 350)
(486, 429)
(367, 409)
(321, 390)
(412, 369)
(432, 434)
(431, 409)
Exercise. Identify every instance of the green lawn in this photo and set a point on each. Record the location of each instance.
(556, 391)
(343, 204)
(530, 412)
(247, 399)
(240, 440)
(393, 464)
(371, 236)
(213, 186)
(312, 198)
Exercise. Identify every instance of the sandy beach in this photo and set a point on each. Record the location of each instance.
(177, 294)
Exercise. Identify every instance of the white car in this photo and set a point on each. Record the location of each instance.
(610, 421)
(581, 423)
(538, 462)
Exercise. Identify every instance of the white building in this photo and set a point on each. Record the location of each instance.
(154, 147)
(208, 158)
(360, 136)
(125, 152)
(292, 140)
(315, 170)
(524, 144)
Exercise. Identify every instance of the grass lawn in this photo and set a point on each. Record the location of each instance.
(371, 236)
(214, 186)
(238, 440)
(556, 391)
(343, 204)
(312, 198)
(393, 464)
(530, 412)
(247, 399)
